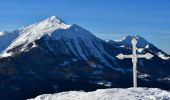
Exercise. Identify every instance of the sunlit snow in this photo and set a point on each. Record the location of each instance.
(110, 94)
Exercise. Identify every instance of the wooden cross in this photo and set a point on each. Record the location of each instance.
(134, 57)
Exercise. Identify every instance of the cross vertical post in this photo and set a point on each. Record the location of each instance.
(134, 57)
(134, 61)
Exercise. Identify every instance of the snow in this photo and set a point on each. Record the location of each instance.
(106, 40)
(65, 63)
(147, 46)
(122, 46)
(140, 50)
(164, 79)
(142, 76)
(1, 33)
(162, 56)
(102, 83)
(35, 31)
(110, 94)
(5, 54)
(120, 40)
(167, 78)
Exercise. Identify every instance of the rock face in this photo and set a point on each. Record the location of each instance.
(52, 56)
(110, 94)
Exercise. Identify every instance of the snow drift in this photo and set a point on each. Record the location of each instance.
(110, 94)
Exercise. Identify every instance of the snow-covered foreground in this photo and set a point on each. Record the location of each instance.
(110, 94)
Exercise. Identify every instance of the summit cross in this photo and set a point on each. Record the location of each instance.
(134, 58)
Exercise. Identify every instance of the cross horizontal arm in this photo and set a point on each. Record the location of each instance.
(121, 56)
(147, 56)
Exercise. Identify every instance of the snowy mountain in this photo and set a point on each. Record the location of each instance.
(110, 94)
(75, 39)
(33, 32)
(52, 56)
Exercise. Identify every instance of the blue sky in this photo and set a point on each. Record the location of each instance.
(107, 19)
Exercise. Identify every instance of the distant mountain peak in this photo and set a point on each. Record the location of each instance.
(35, 31)
(3, 33)
(55, 23)
(51, 23)
(54, 20)
(141, 42)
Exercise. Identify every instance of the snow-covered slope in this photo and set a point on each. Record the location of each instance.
(75, 40)
(35, 31)
(6, 39)
(110, 94)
